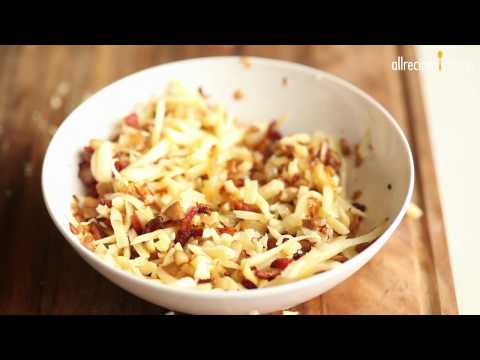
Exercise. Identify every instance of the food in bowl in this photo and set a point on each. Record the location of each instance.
(185, 195)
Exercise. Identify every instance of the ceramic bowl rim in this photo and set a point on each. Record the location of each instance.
(348, 267)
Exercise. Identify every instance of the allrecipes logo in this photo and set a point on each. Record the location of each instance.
(400, 64)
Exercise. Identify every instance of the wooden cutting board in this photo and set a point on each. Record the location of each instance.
(41, 274)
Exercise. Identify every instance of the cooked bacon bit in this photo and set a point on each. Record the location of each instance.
(194, 210)
(121, 164)
(354, 224)
(73, 229)
(158, 222)
(97, 231)
(196, 231)
(182, 236)
(267, 274)
(202, 93)
(243, 255)
(153, 256)
(245, 60)
(238, 94)
(285, 81)
(326, 230)
(85, 174)
(186, 231)
(358, 157)
(271, 243)
(103, 201)
(226, 230)
(331, 160)
(106, 224)
(272, 132)
(204, 281)
(314, 224)
(87, 153)
(309, 224)
(360, 247)
(359, 206)
(248, 284)
(240, 205)
(306, 247)
(356, 195)
(92, 190)
(132, 120)
(389, 186)
(239, 182)
(345, 147)
(281, 263)
(340, 257)
(136, 224)
(265, 145)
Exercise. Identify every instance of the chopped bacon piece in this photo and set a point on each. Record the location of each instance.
(132, 120)
(105, 223)
(345, 147)
(248, 284)
(103, 201)
(358, 157)
(281, 263)
(359, 206)
(196, 231)
(158, 222)
(92, 190)
(271, 243)
(267, 274)
(340, 257)
(239, 182)
(360, 247)
(332, 160)
(86, 154)
(356, 195)
(306, 247)
(309, 223)
(243, 255)
(226, 230)
(97, 231)
(153, 256)
(186, 231)
(272, 133)
(354, 224)
(121, 164)
(85, 174)
(264, 146)
(136, 224)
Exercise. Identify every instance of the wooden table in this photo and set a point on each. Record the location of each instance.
(41, 274)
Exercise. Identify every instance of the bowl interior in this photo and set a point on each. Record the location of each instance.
(312, 100)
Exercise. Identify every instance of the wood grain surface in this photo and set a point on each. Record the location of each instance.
(41, 274)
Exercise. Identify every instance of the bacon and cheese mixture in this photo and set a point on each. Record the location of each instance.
(185, 195)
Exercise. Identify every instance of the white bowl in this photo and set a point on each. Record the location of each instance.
(313, 100)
